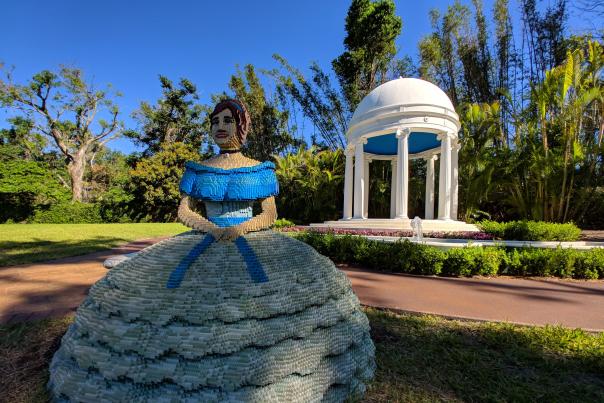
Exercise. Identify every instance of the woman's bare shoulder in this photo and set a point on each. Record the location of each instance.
(230, 161)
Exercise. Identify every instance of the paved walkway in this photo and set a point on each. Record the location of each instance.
(56, 288)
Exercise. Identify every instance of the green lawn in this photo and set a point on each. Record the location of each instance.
(26, 243)
(420, 359)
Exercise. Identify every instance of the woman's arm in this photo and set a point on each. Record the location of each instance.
(262, 221)
(196, 221)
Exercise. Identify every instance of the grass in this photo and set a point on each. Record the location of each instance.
(420, 359)
(27, 243)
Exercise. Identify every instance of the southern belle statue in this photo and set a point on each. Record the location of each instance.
(230, 311)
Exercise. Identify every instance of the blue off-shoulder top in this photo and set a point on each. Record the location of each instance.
(236, 184)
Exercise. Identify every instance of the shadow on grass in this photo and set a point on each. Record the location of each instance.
(25, 353)
(37, 250)
(426, 358)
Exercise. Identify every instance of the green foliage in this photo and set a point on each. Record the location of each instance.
(371, 30)
(471, 261)
(311, 185)
(26, 141)
(368, 61)
(26, 186)
(531, 230)
(176, 117)
(407, 257)
(319, 101)
(69, 213)
(282, 223)
(75, 116)
(155, 180)
(400, 257)
(269, 134)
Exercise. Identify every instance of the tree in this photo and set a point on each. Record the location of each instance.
(65, 109)
(371, 29)
(311, 183)
(155, 180)
(269, 134)
(26, 186)
(176, 117)
(25, 142)
(456, 56)
(318, 100)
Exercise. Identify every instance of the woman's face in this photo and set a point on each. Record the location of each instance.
(224, 129)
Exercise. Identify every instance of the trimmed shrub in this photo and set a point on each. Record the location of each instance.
(472, 261)
(591, 264)
(283, 223)
(531, 230)
(69, 213)
(408, 257)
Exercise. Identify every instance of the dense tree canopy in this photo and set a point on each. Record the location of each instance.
(269, 133)
(176, 117)
(65, 109)
(371, 29)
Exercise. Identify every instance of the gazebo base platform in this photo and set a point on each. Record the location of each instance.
(399, 224)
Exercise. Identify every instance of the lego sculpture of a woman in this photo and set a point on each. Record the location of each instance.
(230, 311)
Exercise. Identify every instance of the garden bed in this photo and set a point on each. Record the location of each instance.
(390, 233)
(403, 256)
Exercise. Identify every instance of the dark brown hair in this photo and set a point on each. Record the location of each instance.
(239, 112)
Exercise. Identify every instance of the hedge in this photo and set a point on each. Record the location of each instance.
(69, 213)
(412, 258)
(531, 230)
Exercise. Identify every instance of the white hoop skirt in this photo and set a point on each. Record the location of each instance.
(218, 335)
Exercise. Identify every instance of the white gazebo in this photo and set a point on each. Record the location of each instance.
(403, 119)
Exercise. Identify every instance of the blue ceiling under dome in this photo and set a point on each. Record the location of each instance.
(387, 143)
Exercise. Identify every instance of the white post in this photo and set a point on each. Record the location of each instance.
(393, 183)
(429, 206)
(359, 179)
(445, 185)
(454, 178)
(366, 192)
(402, 189)
(348, 175)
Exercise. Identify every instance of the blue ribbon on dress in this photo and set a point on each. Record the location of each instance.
(254, 267)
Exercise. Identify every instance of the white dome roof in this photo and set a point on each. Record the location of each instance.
(409, 103)
(402, 92)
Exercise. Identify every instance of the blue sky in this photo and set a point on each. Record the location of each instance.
(128, 43)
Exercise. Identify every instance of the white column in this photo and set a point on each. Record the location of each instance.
(402, 188)
(454, 178)
(445, 185)
(359, 179)
(393, 183)
(441, 184)
(429, 206)
(366, 192)
(348, 175)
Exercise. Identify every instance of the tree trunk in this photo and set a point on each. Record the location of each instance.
(76, 167)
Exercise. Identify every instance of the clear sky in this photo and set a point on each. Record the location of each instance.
(128, 43)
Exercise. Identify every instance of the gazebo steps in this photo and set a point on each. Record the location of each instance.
(398, 224)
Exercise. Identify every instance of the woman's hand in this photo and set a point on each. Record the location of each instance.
(230, 233)
(216, 232)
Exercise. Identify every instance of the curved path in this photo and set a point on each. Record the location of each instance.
(56, 288)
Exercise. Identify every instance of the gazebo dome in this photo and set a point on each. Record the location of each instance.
(404, 102)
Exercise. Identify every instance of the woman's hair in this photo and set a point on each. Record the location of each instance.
(239, 112)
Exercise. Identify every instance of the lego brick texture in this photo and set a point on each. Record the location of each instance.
(300, 336)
